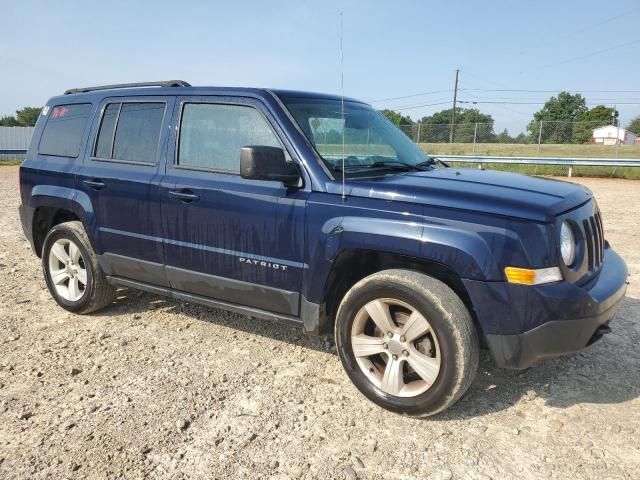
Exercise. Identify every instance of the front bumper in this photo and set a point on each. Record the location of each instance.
(525, 324)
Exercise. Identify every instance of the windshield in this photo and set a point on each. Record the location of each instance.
(371, 142)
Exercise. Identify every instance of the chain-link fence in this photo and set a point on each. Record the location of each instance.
(545, 138)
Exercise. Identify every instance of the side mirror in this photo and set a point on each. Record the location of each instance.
(260, 162)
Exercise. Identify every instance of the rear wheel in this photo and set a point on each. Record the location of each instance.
(72, 272)
(407, 342)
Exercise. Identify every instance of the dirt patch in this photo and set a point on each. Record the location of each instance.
(153, 388)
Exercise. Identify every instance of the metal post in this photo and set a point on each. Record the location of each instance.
(418, 140)
(475, 133)
(539, 138)
(570, 171)
(617, 137)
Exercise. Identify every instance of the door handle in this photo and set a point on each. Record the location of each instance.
(96, 183)
(185, 196)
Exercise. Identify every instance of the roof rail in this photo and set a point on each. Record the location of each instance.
(166, 83)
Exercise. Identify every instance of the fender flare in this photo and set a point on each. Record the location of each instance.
(73, 200)
(463, 251)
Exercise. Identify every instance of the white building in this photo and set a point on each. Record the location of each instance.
(610, 135)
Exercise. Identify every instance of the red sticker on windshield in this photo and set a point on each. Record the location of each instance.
(59, 112)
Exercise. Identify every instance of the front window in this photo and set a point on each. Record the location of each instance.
(372, 144)
(211, 135)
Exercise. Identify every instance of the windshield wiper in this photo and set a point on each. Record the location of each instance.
(433, 161)
(395, 165)
(383, 164)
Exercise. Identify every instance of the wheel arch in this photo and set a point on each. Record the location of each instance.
(44, 219)
(351, 266)
(54, 205)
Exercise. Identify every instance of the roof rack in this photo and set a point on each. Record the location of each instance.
(167, 83)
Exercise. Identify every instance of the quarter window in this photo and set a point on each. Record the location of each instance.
(62, 135)
(107, 127)
(211, 135)
(130, 132)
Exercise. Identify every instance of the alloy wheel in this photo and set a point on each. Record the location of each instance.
(395, 347)
(67, 270)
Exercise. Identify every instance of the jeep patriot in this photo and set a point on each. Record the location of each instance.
(315, 210)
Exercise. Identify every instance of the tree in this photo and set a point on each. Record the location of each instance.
(28, 116)
(435, 128)
(598, 116)
(634, 126)
(8, 121)
(504, 137)
(559, 113)
(25, 117)
(396, 117)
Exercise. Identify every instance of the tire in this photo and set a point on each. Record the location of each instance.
(80, 287)
(444, 350)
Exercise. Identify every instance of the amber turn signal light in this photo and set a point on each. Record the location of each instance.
(529, 276)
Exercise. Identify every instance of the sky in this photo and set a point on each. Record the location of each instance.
(391, 49)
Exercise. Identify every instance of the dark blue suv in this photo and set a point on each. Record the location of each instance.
(316, 211)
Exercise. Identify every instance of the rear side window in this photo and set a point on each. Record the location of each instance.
(211, 135)
(130, 132)
(62, 134)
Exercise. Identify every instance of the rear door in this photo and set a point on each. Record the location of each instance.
(121, 176)
(236, 240)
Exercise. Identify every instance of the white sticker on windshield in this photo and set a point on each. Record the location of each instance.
(45, 110)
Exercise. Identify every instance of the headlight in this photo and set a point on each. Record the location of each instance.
(567, 244)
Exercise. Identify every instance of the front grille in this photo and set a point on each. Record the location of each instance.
(594, 236)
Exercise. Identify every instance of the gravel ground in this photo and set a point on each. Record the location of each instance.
(153, 388)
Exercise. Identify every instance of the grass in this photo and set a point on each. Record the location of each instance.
(11, 162)
(522, 150)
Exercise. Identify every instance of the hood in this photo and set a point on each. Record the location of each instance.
(487, 191)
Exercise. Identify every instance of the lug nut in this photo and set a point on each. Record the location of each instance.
(395, 357)
(405, 353)
(385, 346)
(402, 339)
(389, 334)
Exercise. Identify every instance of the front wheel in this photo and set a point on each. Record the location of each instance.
(407, 342)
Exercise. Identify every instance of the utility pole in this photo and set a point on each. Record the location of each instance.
(453, 113)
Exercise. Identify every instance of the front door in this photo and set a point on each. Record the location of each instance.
(235, 240)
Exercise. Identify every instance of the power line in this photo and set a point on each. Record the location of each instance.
(592, 54)
(546, 91)
(497, 90)
(524, 98)
(530, 103)
(515, 111)
(553, 39)
(434, 101)
(409, 96)
(424, 105)
(602, 22)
